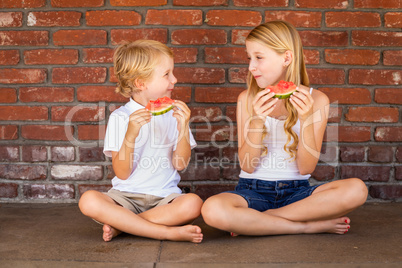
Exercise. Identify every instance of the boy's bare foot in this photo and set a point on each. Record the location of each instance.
(109, 232)
(191, 233)
(335, 226)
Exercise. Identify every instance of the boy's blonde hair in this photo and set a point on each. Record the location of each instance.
(137, 60)
(281, 36)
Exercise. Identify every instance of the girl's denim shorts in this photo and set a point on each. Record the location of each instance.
(263, 195)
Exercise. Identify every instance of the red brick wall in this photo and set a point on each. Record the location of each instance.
(56, 87)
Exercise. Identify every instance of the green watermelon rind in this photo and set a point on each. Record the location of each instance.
(165, 110)
(284, 96)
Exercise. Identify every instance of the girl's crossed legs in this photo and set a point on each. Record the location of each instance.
(322, 212)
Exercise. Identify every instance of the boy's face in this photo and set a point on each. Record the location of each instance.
(162, 82)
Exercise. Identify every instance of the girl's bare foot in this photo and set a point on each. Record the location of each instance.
(109, 232)
(335, 226)
(191, 233)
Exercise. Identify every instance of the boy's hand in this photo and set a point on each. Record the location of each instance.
(182, 113)
(137, 120)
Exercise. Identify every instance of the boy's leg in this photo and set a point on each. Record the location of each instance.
(103, 209)
(182, 210)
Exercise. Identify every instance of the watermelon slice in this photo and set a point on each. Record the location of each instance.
(283, 89)
(160, 106)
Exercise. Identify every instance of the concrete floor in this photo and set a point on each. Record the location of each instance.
(58, 235)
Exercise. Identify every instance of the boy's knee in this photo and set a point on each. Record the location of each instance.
(87, 203)
(192, 205)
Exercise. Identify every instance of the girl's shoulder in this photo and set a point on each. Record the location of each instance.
(318, 96)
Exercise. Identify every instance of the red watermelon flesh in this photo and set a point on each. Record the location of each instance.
(160, 105)
(283, 89)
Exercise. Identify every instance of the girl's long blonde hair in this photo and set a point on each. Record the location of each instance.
(281, 36)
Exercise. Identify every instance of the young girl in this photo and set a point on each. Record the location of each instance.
(147, 151)
(279, 143)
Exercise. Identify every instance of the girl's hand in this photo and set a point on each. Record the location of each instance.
(137, 120)
(263, 104)
(303, 102)
(182, 113)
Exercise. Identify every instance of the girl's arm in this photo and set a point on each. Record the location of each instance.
(250, 128)
(313, 113)
(181, 156)
(122, 161)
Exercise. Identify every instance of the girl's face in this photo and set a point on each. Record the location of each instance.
(162, 82)
(267, 66)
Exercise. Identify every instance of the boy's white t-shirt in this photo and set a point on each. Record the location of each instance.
(153, 172)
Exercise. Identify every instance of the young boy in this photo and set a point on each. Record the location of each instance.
(147, 151)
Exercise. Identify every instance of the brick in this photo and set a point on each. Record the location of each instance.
(352, 56)
(8, 95)
(200, 75)
(79, 75)
(347, 134)
(231, 113)
(34, 153)
(173, 17)
(9, 57)
(93, 154)
(97, 55)
(261, 3)
(326, 76)
(185, 54)
(10, 19)
(22, 76)
(47, 132)
(112, 18)
(347, 95)
(398, 173)
(380, 154)
(54, 19)
(215, 133)
(376, 38)
(207, 190)
(119, 36)
(388, 95)
(23, 172)
(9, 153)
(182, 93)
(49, 191)
(8, 132)
(398, 154)
(386, 4)
(91, 132)
(366, 173)
(352, 154)
(24, 38)
(217, 94)
(328, 153)
(311, 56)
(76, 172)
(324, 39)
(386, 192)
(28, 113)
(200, 2)
(77, 3)
(62, 154)
(352, 19)
(373, 114)
(233, 18)
(8, 190)
(304, 19)
(232, 55)
(199, 37)
(205, 114)
(392, 57)
(238, 75)
(239, 36)
(46, 94)
(334, 115)
(336, 4)
(50, 56)
(323, 173)
(99, 93)
(375, 77)
(393, 20)
(22, 3)
(205, 154)
(80, 37)
(82, 188)
(231, 172)
(391, 134)
(230, 153)
(78, 113)
(123, 3)
(200, 172)
(113, 77)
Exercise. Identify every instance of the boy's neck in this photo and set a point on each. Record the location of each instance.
(140, 99)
